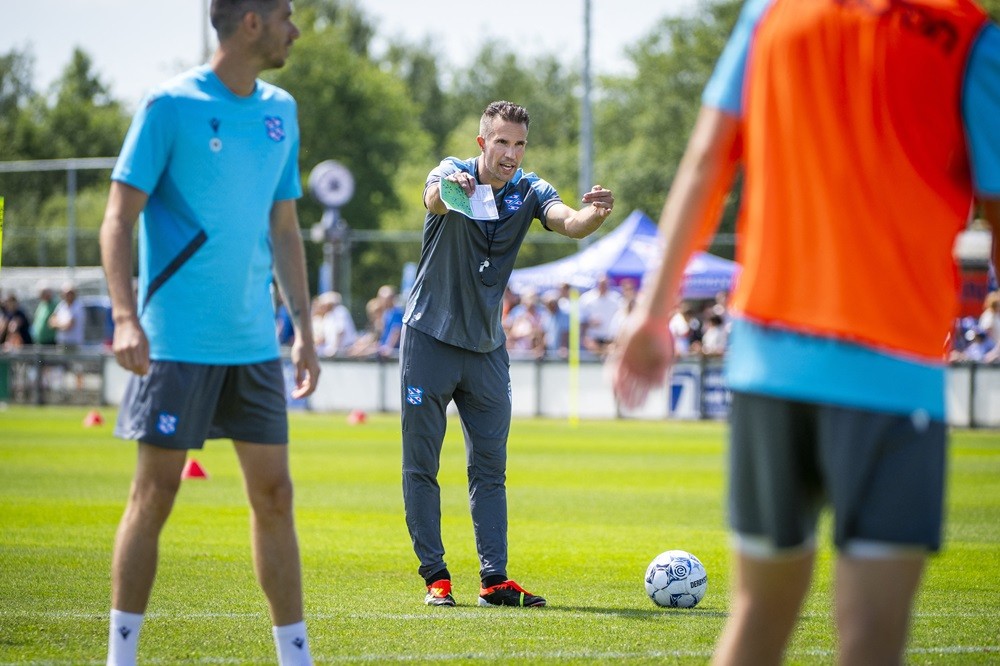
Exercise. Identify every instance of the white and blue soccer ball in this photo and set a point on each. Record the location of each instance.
(676, 579)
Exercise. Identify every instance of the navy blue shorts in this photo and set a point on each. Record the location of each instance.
(180, 405)
(882, 474)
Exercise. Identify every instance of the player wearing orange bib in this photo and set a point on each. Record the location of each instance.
(866, 129)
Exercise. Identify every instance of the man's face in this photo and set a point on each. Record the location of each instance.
(503, 151)
(278, 35)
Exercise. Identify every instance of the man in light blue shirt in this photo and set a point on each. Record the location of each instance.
(211, 163)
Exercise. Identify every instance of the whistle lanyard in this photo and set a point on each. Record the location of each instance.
(489, 274)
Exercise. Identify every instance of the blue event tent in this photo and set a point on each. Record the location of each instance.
(628, 252)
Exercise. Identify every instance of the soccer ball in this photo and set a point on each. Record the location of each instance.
(676, 579)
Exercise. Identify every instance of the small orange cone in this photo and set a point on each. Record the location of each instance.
(93, 418)
(192, 470)
(357, 417)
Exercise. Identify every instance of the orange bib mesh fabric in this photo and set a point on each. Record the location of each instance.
(856, 159)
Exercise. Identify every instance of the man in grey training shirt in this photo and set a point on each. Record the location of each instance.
(453, 344)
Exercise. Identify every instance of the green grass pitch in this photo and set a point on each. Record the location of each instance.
(590, 505)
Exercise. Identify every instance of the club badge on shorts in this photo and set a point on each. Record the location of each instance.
(166, 423)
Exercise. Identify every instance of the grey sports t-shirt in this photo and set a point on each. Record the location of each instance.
(449, 300)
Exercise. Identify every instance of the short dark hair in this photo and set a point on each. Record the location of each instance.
(504, 110)
(227, 14)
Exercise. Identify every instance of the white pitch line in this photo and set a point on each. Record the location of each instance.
(433, 615)
(555, 656)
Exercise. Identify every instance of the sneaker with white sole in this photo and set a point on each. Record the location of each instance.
(439, 593)
(509, 593)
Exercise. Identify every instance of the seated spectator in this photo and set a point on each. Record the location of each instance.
(597, 308)
(989, 320)
(16, 329)
(627, 290)
(565, 295)
(336, 331)
(41, 332)
(624, 310)
(556, 326)
(69, 318)
(680, 328)
(526, 327)
(979, 346)
(392, 328)
(375, 335)
(509, 302)
(714, 338)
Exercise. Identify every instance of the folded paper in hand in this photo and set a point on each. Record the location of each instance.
(480, 206)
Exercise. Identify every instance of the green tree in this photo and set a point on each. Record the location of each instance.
(643, 121)
(417, 67)
(354, 112)
(81, 121)
(16, 95)
(84, 121)
(20, 138)
(547, 89)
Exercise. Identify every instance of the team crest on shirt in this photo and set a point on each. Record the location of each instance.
(275, 128)
(166, 423)
(414, 395)
(513, 201)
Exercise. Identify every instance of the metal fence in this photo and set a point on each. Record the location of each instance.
(546, 388)
(42, 375)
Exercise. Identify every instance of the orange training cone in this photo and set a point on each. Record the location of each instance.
(357, 417)
(93, 418)
(192, 470)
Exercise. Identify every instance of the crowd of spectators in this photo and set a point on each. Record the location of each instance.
(538, 325)
(53, 321)
(978, 340)
(335, 331)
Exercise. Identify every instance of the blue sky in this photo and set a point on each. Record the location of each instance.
(137, 43)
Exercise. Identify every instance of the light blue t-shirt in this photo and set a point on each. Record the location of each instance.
(213, 165)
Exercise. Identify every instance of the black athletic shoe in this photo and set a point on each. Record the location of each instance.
(508, 593)
(439, 593)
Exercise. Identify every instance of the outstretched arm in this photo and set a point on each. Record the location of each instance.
(690, 215)
(597, 206)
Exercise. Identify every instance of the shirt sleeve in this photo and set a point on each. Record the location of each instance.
(448, 166)
(981, 108)
(147, 145)
(725, 88)
(290, 185)
(547, 197)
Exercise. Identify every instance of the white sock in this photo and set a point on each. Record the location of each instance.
(292, 644)
(123, 637)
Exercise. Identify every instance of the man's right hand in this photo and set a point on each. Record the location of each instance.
(131, 347)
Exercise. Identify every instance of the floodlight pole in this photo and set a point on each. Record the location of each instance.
(586, 120)
(206, 51)
(71, 220)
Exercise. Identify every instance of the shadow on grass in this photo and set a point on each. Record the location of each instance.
(651, 614)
